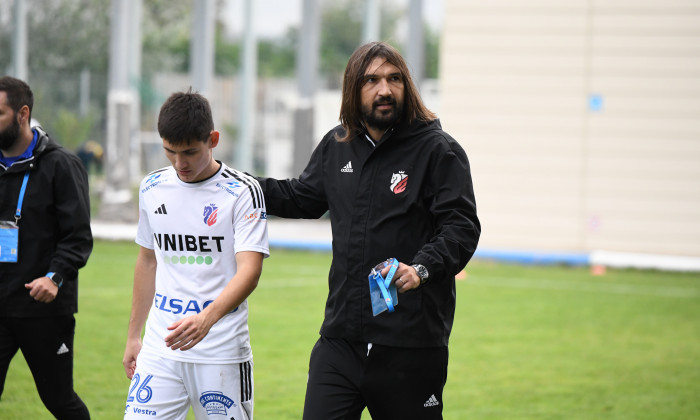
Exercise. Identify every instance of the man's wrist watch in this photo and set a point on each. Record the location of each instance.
(422, 272)
(56, 278)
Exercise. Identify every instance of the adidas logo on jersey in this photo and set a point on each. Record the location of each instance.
(347, 168)
(432, 402)
(63, 349)
(161, 210)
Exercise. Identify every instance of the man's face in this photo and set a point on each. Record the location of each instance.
(9, 126)
(194, 160)
(382, 94)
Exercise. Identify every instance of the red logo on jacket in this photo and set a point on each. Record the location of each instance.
(398, 182)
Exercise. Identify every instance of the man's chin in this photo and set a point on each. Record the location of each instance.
(381, 123)
(7, 143)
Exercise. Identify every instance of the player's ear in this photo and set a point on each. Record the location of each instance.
(213, 139)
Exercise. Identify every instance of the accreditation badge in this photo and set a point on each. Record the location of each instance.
(9, 238)
(382, 291)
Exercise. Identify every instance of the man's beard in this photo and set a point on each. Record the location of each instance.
(381, 120)
(10, 136)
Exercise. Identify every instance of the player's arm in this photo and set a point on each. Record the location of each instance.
(144, 289)
(189, 331)
(299, 198)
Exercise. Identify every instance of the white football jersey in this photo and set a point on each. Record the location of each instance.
(196, 229)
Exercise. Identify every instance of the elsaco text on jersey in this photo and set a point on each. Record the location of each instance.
(191, 243)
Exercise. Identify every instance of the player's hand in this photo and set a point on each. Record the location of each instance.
(42, 290)
(133, 348)
(405, 277)
(187, 332)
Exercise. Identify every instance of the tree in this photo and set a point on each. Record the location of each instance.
(341, 33)
(432, 52)
(62, 35)
(277, 57)
(167, 27)
(65, 39)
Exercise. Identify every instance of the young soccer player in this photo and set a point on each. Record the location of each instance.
(203, 236)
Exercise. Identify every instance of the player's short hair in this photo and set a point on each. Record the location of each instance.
(185, 117)
(18, 93)
(354, 78)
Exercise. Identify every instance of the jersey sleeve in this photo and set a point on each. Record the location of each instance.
(144, 232)
(250, 218)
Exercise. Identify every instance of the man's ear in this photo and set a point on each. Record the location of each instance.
(214, 139)
(23, 115)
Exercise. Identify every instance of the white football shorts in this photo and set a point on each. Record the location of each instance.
(165, 389)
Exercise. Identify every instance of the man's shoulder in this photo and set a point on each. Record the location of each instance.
(433, 131)
(53, 154)
(156, 178)
(334, 134)
(161, 171)
(238, 183)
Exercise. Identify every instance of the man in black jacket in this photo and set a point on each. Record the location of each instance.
(45, 238)
(398, 186)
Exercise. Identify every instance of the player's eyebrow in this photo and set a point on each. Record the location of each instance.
(181, 151)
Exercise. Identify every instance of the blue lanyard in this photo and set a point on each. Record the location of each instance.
(385, 283)
(18, 213)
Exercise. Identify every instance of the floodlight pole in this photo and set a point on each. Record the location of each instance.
(371, 27)
(134, 78)
(415, 56)
(307, 73)
(247, 87)
(202, 46)
(117, 199)
(19, 40)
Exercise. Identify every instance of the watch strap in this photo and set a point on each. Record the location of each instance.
(55, 278)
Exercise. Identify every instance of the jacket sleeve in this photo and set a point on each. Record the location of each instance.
(298, 198)
(457, 227)
(72, 203)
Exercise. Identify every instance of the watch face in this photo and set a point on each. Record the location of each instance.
(422, 273)
(57, 279)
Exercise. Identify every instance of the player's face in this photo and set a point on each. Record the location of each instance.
(9, 127)
(381, 94)
(193, 161)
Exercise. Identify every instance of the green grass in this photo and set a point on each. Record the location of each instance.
(528, 342)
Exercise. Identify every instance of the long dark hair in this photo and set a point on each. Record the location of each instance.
(350, 114)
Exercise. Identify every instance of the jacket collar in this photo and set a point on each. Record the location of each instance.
(42, 144)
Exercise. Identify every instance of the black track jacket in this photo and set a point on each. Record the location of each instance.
(410, 197)
(54, 232)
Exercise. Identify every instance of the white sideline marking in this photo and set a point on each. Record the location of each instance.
(619, 288)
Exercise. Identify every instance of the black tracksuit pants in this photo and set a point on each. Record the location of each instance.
(392, 382)
(47, 346)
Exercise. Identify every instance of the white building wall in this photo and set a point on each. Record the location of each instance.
(581, 119)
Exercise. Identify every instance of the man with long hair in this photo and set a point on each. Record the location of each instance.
(398, 188)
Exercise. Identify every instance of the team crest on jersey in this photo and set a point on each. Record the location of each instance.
(215, 402)
(210, 213)
(398, 182)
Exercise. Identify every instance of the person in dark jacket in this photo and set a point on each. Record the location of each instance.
(396, 186)
(45, 238)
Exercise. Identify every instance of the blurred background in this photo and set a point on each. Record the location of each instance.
(581, 118)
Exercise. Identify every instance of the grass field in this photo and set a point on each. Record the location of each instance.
(528, 342)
